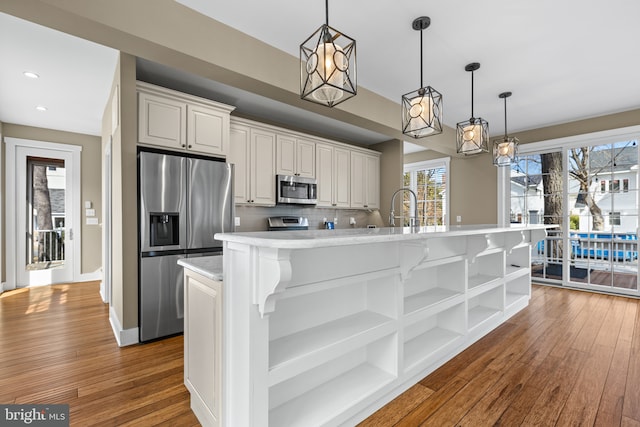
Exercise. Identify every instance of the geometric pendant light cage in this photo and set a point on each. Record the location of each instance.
(472, 136)
(422, 108)
(505, 149)
(328, 66)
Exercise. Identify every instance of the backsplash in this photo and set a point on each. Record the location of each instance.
(254, 218)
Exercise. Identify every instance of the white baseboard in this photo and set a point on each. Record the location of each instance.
(90, 277)
(123, 337)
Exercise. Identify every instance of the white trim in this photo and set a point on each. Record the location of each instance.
(602, 137)
(124, 337)
(10, 243)
(504, 187)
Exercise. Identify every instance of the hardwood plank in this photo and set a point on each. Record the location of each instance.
(547, 407)
(398, 407)
(631, 406)
(425, 409)
(582, 404)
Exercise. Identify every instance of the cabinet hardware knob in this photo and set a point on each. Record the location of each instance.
(190, 146)
(184, 145)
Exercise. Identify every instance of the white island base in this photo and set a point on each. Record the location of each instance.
(325, 327)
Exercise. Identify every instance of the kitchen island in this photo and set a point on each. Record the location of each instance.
(324, 327)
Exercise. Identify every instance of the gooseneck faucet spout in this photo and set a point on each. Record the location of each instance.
(413, 220)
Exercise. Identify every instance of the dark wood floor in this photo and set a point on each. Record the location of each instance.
(570, 358)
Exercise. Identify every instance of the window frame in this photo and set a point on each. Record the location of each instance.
(414, 167)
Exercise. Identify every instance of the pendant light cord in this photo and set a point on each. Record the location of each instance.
(505, 117)
(421, 61)
(472, 94)
(326, 8)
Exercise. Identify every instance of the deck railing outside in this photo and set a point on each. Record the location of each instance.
(48, 245)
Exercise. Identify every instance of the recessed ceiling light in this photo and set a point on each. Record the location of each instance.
(41, 108)
(31, 75)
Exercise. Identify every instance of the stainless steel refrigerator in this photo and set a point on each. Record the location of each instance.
(183, 202)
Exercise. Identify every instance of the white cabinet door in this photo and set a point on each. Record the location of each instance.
(342, 176)
(239, 156)
(306, 158)
(372, 180)
(358, 180)
(295, 156)
(161, 121)
(202, 346)
(286, 155)
(324, 174)
(263, 166)
(207, 130)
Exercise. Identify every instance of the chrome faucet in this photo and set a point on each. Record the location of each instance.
(413, 220)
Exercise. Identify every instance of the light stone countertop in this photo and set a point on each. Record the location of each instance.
(306, 239)
(209, 266)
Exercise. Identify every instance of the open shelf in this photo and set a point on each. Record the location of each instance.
(428, 299)
(433, 285)
(484, 273)
(293, 353)
(425, 340)
(518, 261)
(517, 290)
(485, 306)
(319, 395)
(319, 405)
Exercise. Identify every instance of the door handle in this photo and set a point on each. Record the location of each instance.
(71, 234)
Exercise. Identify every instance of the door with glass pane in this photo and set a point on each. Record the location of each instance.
(44, 217)
(537, 183)
(603, 216)
(591, 193)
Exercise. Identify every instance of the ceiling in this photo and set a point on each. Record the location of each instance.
(563, 61)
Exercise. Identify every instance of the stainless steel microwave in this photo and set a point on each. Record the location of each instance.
(296, 190)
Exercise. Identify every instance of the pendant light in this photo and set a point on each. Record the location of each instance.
(505, 149)
(422, 108)
(473, 134)
(328, 66)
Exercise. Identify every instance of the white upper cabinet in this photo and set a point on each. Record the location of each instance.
(295, 156)
(333, 175)
(178, 121)
(252, 152)
(365, 180)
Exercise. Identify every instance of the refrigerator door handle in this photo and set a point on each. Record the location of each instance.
(179, 301)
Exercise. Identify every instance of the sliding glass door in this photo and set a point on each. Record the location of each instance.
(590, 191)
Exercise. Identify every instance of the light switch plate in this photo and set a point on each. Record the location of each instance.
(90, 212)
(92, 221)
(87, 204)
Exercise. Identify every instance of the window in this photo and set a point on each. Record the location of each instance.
(614, 186)
(625, 185)
(429, 180)
(603, 186)
(614, 218)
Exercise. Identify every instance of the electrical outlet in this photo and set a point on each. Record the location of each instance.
(335, 221)
(352, 221)
(237, 221)
(459, 218)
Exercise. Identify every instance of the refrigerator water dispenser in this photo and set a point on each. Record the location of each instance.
(165, 229)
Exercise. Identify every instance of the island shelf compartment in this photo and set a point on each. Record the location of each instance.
(332, 392)
(518, 261)
(432, 284)
(430, 338)
(485, 272)
(484, 307)
(307, 329)
(517, 290)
